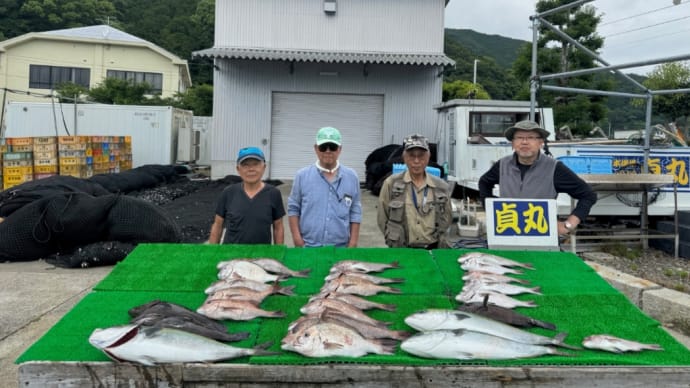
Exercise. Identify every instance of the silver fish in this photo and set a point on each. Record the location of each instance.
(246, 283)
(184, 323)
(503, 288)
(354, 300)
(356, 286)
(326, 339)
(362, 266)
(243, 269)
(237, 310)
(153, 345)
(243, 293)
(366, 330)
(504, 315)
(489, 259)
(473, 265)
(276, 267)
(320, 305)
(470, 345)
(492, 277)
(371, 278)
(438, 319)
(615, 344)
(495, 299)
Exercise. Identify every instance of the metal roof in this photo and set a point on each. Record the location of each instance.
(100, 32)
(325, 56)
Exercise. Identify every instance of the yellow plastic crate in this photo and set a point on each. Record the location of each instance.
(45, 155)
(46, 162)
(71, 169)
(13, 180)
(20, 141)
(23, 170)
(17, 163)
(72, 161)
(73, 139)
(73, 147)
(22, 148)
(45, 169)
(45, 147)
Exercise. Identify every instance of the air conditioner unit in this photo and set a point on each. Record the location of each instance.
(187, 145)
(329, 6)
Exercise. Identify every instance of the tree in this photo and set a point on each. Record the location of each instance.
(668, 76)
(556, 55)
(198, 98)
(121, 92)
(43, 15)
(463, 89)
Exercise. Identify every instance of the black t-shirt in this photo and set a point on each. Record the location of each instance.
(249, 220)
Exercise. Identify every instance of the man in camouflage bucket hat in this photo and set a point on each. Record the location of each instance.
(529, 173)
(324, 206)
(414, 207)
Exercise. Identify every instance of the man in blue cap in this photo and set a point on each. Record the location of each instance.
(251, 208)
(324, 206)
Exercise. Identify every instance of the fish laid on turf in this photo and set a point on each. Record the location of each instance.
(357, 286)
(492, 277)
(243, 293)
(438, 319)
(473, 265)
(501, 288)
(615, 344)
(153, 345)
(243, 269)
(367, 277)
(494, 298)
(183, 323)
(317, 306)
(471, 345)
(365, 329)
(237, 310)
(276, 267)
(167, 309)
(326, 339)
(354, 300)
(362, 266)
(504, 315)
(245, 283)
(489, 259)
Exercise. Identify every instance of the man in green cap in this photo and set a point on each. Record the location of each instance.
(529, 173)
(324, 206)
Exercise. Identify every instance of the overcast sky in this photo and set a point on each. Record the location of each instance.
(634, 30)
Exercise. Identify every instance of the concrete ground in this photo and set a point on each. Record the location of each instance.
(35, 295)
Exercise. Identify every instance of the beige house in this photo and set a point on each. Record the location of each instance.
(34, 63)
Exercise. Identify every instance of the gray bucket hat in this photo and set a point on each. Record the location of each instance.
(526, 125)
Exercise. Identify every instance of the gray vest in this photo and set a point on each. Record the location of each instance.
(537, 183)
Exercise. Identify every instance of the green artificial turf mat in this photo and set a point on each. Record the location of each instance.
(575, 299)
(67, 340)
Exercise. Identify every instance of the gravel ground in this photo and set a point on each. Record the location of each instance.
(192, 203)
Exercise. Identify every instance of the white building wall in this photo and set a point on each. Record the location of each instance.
(405, 26)
(242, 100)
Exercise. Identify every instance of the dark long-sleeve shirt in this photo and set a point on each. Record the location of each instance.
(564, 179)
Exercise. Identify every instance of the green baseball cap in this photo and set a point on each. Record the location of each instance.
(328, 135)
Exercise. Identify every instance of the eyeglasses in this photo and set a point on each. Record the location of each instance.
(520, 139)
(328, 147)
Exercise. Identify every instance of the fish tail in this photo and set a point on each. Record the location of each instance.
(558, 341)
(542, 324)
(401, 335)
(387, 345)
(536, 290)
(284, 290)
(393, 290)
(388, 307)
(395, 264)
(276, 314)
(527, 265)
(303, 273)
(653, 347)
(396, 280)
(557, 352)
(264, 346)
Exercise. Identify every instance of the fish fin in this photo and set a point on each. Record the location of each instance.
(264, 345)
(401, 335)
(393, 290)
(277, 314)
(387, 345)
(303, 273)
(332, 345)
(542, 324)
(558, 341)
(396, 280)
(395, 264)
(653, 347)
(537, 290)
(527, 265)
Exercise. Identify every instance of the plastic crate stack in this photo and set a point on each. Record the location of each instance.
(17, 162)
(73, 159)
(45, 156)
(111, 154)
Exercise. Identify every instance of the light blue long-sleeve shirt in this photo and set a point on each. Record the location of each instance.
(325, 209)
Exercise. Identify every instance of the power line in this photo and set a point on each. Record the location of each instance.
(648, 26)
(643, 13)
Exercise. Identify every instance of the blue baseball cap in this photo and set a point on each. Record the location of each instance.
(250, 153)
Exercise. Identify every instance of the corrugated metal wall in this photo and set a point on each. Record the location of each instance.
(243, 90)
(406, 26)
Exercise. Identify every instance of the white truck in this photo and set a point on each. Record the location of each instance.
(470, 138)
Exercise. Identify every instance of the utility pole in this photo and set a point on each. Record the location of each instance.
(474, 78)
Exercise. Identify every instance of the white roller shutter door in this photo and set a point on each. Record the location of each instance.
(296, 117)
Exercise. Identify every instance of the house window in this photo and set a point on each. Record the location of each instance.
(155, 80)
(494, 124)
(48, 77)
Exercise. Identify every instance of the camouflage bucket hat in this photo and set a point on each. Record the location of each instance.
(526, 125)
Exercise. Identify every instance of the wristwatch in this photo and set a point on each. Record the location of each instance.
(569, 226)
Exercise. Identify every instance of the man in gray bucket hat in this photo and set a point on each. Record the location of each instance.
(529, 173)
